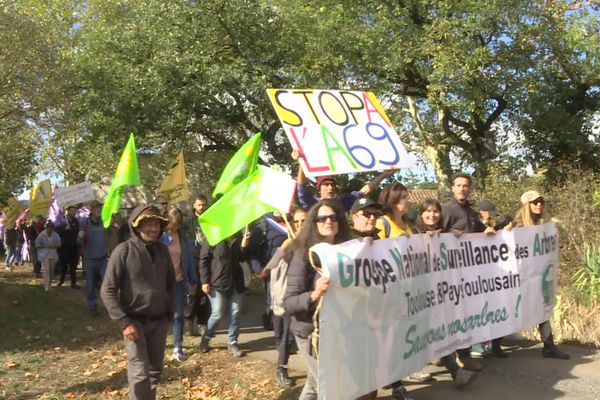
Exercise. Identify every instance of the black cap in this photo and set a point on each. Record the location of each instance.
(363, 202)
(486, 205)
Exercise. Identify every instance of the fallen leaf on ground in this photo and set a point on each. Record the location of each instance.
(10, 364)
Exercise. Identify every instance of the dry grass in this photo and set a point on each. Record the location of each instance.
(52, 349)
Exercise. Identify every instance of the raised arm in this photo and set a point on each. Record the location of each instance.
(369, 187)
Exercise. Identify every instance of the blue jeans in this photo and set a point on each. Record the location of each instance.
(221, 305)
(10, 256)
(178, 315)
(94, 273)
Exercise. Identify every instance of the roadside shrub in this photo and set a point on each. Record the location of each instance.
(586, 280)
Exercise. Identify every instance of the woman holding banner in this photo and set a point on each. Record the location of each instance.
(325, 222)
(531, 213)
(429, 221)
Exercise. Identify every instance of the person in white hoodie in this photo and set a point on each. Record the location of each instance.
(46, 243)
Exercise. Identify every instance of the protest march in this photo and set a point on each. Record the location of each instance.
(364, 292)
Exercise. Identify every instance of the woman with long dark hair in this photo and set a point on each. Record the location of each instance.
(429, 221)
(395, 206)
(325, 222)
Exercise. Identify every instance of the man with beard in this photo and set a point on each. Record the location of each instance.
(138, 292)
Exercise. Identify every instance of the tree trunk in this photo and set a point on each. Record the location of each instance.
(439, 157)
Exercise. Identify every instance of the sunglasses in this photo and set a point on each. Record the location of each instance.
(369, 214)
(323, 218)
(299, 221)
(537, 201)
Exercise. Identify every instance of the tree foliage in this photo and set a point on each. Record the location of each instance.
(458, 78)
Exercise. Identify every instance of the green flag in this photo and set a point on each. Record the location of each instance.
(219, 221)
(239, 167)
(127, 174)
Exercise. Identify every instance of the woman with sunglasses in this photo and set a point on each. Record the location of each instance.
(531, 213)
(325, 222)
(395, 206)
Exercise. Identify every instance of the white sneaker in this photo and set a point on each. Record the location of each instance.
(420, 376)
(464, 378)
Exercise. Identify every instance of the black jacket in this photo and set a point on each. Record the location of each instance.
(68, 237)
(220, 266)
(461, 217)
(301, 278)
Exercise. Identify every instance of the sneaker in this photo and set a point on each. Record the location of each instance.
(400, 393)
(420, 376)
(481, 349)
(75, 286)
(554, 352)
(204, 345)
(94, 312)
(470, 363)
(283, 377)
(464, 378)
(235, 350)
(178, 355)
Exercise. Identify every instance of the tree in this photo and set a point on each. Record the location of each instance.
(189, 75)
(563, 95)
(23, 58)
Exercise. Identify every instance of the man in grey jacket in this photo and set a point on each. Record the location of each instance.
(138, 293)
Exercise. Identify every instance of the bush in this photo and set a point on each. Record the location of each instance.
(574, 202)
(586, 280)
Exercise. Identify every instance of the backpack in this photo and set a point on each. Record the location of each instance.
(386, 226)
(278, 283)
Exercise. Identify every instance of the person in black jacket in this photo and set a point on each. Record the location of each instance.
(325, 222)
(458, 217)
(222, 280)
(68, 253)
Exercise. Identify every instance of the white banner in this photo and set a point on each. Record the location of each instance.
(394, 305)
(338, 131)
(74, 194)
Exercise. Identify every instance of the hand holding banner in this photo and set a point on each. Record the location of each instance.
(393, 305)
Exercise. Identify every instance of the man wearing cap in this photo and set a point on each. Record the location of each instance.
(364, 213)
(489, 216)
(138, 292)
(326, 187)
(93, 238)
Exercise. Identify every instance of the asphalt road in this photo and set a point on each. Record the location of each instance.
(523, 375)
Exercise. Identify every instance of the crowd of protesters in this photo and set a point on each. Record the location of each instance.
(158, 272)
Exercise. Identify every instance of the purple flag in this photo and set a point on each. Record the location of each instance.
(56, 214)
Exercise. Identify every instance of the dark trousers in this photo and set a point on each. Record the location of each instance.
(145, 357)
(68, 257)
(37, 266)
(283, 339)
